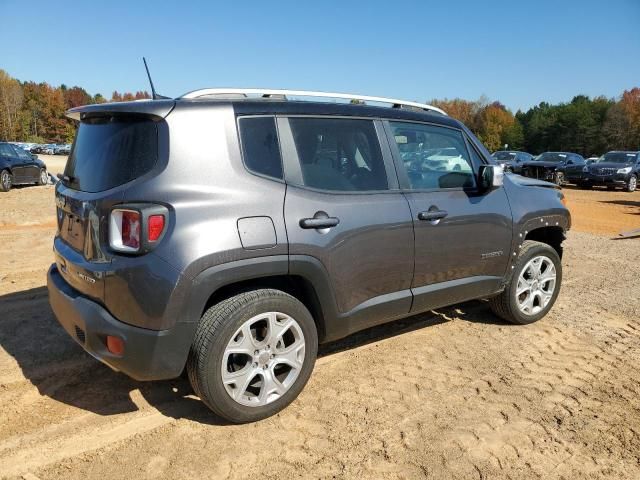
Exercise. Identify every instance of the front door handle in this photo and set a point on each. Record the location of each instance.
(432, 215)
(319, 220)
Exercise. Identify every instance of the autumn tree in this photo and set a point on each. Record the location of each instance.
(76, 96)
(10, 105)
(463, 110)
(495, 125)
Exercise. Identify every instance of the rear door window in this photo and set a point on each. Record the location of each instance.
(111, 151)
(339, 154)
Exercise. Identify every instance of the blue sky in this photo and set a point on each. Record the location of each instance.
(518, 52)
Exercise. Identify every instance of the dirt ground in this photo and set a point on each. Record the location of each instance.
(451, 394)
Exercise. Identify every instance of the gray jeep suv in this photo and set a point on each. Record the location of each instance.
(229, 235)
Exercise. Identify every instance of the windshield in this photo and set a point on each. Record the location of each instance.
(618, 157)
(504, 155)
(552, 157)
(111, 151)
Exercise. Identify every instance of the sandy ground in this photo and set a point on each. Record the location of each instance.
(451, 394)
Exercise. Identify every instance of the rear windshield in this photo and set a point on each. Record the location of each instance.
(111, 151)
(504, 155)
(618, 157)
(552, 157)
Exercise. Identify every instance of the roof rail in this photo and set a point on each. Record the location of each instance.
(268, 93)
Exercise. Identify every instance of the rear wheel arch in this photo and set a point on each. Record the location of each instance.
(303, 278)
(298, 287)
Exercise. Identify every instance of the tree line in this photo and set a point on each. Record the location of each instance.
(34, 112)
(588, 126)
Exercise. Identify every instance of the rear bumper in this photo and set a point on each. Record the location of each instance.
(148, 354)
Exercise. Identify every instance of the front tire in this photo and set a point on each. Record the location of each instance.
(632, 184)
(558, 179)
(252, 354)
(5, 181)
(534, 285)
(43, 179)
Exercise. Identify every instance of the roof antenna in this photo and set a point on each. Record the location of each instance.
(154, 95)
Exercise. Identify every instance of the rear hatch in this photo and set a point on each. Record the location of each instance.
(111, 149)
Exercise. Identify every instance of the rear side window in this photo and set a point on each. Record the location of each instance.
(111, 151)
(339, 154)
(260, 148)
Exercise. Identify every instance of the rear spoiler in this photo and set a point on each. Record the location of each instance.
(157, 108)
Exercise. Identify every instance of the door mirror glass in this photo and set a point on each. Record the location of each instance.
(490, 177)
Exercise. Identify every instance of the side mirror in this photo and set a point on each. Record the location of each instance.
(34, 156)
(490, 177)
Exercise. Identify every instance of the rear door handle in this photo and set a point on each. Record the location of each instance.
(321, 222)
(431, 215)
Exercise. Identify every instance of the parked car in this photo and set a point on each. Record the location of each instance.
(20, 167)
(48, 149)
(512, 160)
(590, 160)
(292, 223)
(62, 149)
(37, 149)
(616, 169)
(445, 159)
(555, 167)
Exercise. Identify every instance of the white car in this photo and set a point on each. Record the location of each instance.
(447, 159)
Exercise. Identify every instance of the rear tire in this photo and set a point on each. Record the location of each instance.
(277, 361)
(5, 181)
(509, 304)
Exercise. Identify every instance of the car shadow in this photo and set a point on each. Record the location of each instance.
(60, 369)
(625, 203)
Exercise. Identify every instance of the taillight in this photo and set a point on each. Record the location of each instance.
(155, 227)
(136, 228)
(131, 229)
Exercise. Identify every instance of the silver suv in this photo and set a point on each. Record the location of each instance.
(230, 234)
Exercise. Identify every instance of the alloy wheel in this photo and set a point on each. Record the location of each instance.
(6, 180)
(263, 359)
(536, 284)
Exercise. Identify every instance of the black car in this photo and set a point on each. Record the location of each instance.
(512, 160)
(556, 167)
(613, 169)
(19, 167)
